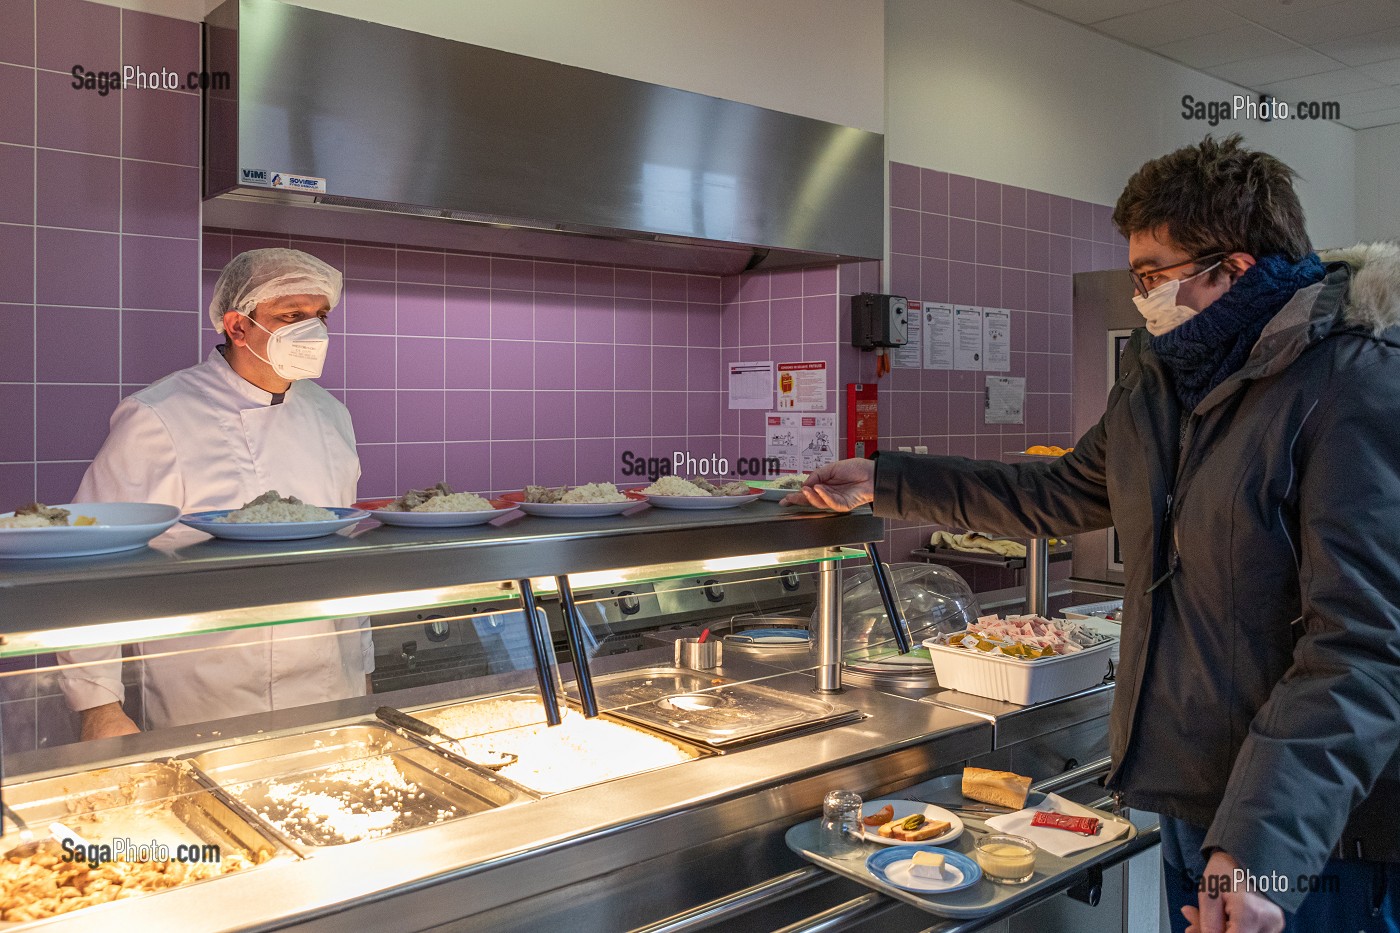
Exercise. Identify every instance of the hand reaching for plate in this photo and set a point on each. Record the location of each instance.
(839, 486)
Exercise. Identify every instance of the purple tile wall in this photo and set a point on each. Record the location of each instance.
(99, 232)
(99, 267)
(969, 241)
(783, 315)
(492, 371)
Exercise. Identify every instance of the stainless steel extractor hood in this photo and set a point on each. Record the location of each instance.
(427, 141)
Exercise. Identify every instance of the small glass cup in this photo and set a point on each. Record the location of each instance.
(842, 832)
(1007, 859)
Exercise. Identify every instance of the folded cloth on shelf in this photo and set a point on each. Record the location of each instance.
(1057, 841)
(973, 541)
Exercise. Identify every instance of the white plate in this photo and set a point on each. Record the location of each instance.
(121, 526)
(702, 502)
(270, 531)
(575, 509)
(435, 519)
(892, 867)
(907, 808)
(898, 874)
(771, 493)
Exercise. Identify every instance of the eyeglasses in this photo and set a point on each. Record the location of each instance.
(1144, 282)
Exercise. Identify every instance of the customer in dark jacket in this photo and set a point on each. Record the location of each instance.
(1249, 459)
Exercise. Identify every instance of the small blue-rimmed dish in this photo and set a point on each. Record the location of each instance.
(892, 866)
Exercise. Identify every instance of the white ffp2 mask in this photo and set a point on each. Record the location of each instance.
(297, 351)
(1159, 308)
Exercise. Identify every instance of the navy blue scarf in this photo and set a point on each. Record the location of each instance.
(1205, 350)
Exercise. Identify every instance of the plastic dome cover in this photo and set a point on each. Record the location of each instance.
(935, 600)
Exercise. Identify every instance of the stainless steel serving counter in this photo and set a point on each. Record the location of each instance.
(637, 852)
(608, 857)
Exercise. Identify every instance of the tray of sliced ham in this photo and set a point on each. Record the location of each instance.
(1021, 659)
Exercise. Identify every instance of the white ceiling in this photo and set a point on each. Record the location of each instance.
(1346, 51)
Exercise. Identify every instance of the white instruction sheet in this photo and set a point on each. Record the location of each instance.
(996, 340)
(938, 336)
(781, 439)
(751, 385)
(817, 433)
(1006, 400)
(967, 337)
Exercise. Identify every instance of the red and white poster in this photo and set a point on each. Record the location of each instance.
(802, 386)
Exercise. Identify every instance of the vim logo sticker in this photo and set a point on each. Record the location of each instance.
(255, 176)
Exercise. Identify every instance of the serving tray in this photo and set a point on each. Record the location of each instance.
(982, 898)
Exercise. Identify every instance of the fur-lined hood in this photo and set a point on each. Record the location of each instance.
(1374, 300)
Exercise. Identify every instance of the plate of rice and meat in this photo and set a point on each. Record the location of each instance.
(587, 501)
(775, 490)
(271, 517)
(82, 529)
(436, 507)
(672, 492)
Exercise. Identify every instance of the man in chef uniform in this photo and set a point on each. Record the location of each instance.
(246, 420)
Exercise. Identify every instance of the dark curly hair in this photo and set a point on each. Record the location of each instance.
(1217, 197)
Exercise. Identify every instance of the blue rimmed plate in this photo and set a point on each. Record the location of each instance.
(892, 866)
(208, 523)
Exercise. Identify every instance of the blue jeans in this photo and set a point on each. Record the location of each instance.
(1355, 897)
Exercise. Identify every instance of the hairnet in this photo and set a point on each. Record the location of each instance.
(259, 274)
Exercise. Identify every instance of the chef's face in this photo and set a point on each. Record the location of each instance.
(1155, 256)
(273, 314)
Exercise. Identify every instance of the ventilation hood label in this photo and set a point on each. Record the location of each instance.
(262, 178)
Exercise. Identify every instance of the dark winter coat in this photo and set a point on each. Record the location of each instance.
(1258, 692)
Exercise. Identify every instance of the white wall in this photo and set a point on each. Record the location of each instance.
(1378, 183)
(1005, 92)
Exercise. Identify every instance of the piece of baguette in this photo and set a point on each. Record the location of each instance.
(1000, 788)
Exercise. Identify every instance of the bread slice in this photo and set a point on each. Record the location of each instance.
(1000, 788)
(929, 830)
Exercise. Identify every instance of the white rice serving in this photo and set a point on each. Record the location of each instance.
(455, 502)
(594, 492)
(674, 486)
(25, 521)
(270, 507)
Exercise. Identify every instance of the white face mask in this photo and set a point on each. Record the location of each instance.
(297, 351)
(1159, 308)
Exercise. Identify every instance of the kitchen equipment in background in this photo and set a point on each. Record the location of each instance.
(713, 711)
(879, 321)
(699, 654)
(862, 418)
(935, 600)
(1104, 319)
(651, 176)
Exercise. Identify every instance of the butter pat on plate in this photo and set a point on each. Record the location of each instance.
(927, 865)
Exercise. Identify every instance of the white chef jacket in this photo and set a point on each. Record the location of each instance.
(206, 438)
